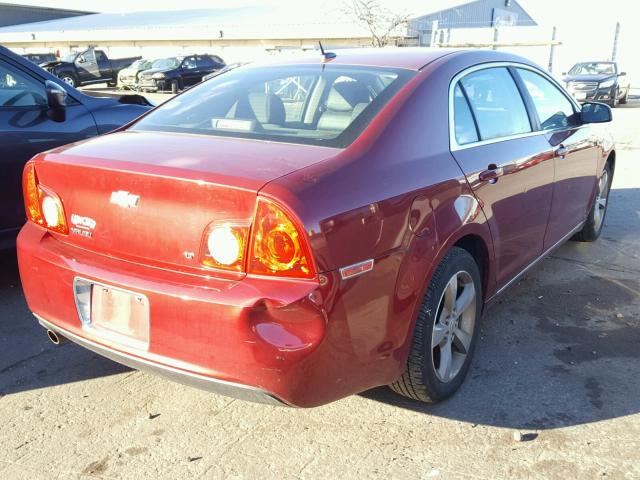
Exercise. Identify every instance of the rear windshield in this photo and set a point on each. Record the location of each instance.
(309, 104)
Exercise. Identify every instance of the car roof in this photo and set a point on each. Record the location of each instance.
(409, 58)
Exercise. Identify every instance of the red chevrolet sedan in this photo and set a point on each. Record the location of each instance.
(297, 232)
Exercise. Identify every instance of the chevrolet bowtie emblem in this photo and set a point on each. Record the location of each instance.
(125, 199)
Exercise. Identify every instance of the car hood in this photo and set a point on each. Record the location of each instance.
(588, 78)
(242, 163)
(53, 64)
(151, 71)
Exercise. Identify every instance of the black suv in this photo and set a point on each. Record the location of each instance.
(177, 73)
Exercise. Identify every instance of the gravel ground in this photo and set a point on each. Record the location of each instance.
(553, 392)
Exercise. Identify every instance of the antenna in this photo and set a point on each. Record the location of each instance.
(326, 56)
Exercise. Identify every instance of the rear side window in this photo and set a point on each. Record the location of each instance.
(205, 62)
(554, 109)
(496, 103)
(465, 126)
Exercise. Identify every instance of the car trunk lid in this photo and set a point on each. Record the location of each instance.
(148, 197)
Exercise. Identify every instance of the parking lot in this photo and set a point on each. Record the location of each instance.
(554, 390)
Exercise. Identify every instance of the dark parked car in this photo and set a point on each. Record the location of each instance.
(299, 255)
(598, 82)
(40, 58)
(88, 67)
(177, 73)
(38, 112)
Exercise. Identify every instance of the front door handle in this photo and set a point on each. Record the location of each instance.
(560, 152)
(491, 174)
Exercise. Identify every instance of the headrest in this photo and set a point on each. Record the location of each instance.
(344, 96)
(268, 108)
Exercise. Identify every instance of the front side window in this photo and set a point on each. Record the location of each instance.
(189, 63)
(307, 104)
(554, 109)
(496, 103)
(19, 90)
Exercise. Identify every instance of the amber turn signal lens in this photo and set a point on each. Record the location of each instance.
(224, 245)
(42, 206)
(278, 246)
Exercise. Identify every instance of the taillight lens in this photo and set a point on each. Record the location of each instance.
(224, 246)
(43, 206)
(278, 245)
(273, 244)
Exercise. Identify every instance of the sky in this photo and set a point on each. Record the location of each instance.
(572, 15)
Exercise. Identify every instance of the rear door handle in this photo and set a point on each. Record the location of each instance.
(491, 174)
(561, 152)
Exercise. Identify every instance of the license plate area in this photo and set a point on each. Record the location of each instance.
(580, 95)
(118, 315)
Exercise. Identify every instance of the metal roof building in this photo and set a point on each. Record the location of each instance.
(465, 14)
(12, 14)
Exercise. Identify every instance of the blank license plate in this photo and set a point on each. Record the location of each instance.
(119, 314)
(580, 95)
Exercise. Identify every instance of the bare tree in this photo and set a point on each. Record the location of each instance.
(383, 23)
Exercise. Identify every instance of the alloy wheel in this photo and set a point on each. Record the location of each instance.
(454, 326)
(601, 200)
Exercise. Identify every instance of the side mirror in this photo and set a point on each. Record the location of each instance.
(622, 74)
(57, 101)
(595, 113)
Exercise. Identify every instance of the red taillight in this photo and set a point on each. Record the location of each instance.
(43, 206)
(278, 246)
(273, 245)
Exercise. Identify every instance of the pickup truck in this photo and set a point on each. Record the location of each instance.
(88, 67)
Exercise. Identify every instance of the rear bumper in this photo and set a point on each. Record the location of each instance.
(214, 385)
(275, 341)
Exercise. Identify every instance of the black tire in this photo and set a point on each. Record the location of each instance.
(594, 224)
(623, 100)
(421, 380)
(175, 86)
(613, 103)
(69, 79)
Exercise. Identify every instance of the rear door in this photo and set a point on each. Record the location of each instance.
(25, 130)
(507, 163)
(575, 154)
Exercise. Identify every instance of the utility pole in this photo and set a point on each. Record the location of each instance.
(551, 49)
(615, 42)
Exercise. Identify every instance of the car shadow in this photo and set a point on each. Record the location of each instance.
(28, 360)
(562, 347)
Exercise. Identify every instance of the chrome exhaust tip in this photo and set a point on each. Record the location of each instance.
(55, 338)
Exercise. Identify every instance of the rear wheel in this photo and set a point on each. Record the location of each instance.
(595, 220)
(445, 331)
